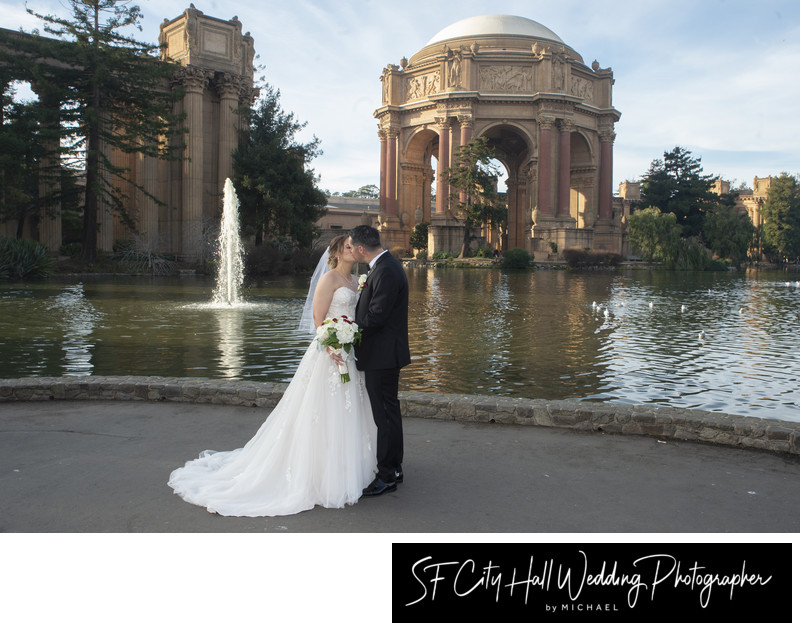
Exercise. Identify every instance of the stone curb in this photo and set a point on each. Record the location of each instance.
(612, 418)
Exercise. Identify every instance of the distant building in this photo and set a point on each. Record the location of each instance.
(752, 200)
(344, 213)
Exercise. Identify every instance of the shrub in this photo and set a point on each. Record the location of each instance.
(136, 256)
(419, 236)
(271, 258)
(23, 258)
(516, 258)
(583, 257)
(692, 255)
(422, 255)
(484, 252)
(438, 256)
(71, 250)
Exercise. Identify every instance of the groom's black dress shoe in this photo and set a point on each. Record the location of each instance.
(398, 476)
(379, 487)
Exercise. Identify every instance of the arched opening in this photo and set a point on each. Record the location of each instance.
(513, 149)
(502, 179)
(419, 172)
(582, 181)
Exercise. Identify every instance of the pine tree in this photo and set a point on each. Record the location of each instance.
(277, 191)
(677, 185)
(110, 91)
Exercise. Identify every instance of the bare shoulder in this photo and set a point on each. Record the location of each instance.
(328, 282)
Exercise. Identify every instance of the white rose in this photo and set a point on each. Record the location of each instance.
(345, 336)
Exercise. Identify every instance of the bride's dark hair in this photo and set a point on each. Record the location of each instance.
(335, 249)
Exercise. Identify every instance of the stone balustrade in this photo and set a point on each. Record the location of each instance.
(666, 423)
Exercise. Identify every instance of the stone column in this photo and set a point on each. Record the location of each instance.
(606, 173)
(50, 175)
(194, 82)
(228, 90)
(513, 220)
(466, 135)
(530, 173)
(147, 178)
(427, 181)
(564, 163)
(383, 184)
(442, 189)
(466, 128)
(391, 173)
(545, 157)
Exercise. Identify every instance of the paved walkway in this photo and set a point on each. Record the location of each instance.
(97, 466)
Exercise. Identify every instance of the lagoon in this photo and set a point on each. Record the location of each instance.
(725, 342)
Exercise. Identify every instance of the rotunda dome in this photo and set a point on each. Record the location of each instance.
(483, 25)
(496, 33)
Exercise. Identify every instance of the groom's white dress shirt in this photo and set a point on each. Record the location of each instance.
(375, 260)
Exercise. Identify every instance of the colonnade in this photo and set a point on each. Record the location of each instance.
(544, 183)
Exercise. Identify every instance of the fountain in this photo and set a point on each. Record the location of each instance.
(230, 275)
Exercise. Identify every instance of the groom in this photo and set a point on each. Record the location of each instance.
(382, 315)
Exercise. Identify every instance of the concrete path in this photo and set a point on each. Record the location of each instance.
(95, 466)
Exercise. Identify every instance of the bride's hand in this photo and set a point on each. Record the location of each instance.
(336, 357)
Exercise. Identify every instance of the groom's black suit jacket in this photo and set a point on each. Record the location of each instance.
(382, 314)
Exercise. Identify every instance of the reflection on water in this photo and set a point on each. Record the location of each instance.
(230, 342)
(78, 319)
(534, 335)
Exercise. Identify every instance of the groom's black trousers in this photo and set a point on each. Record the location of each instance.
(382, 386)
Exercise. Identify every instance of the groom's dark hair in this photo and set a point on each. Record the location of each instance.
(367, 236)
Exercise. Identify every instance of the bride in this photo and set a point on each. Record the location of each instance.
(316, 447)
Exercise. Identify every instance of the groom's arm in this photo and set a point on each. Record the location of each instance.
(385, 290)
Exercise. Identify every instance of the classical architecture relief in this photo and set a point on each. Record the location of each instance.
(509, 79)
(547, 114)
(583, 88)
(422, 85)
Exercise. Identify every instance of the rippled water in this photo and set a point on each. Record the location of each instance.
(540, 335)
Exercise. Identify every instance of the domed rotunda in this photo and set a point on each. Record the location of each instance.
(548, 116)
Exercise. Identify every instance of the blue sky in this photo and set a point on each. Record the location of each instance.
(718, 77)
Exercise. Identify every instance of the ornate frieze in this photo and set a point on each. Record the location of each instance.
(508, 79)
(582, 88)
(420, 86)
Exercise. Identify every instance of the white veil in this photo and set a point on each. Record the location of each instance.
(307, 319)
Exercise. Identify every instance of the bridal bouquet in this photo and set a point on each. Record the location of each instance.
(340, 334)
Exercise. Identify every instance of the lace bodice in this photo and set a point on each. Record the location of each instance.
(343, 303)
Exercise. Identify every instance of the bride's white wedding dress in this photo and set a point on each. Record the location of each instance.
(315, 448)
